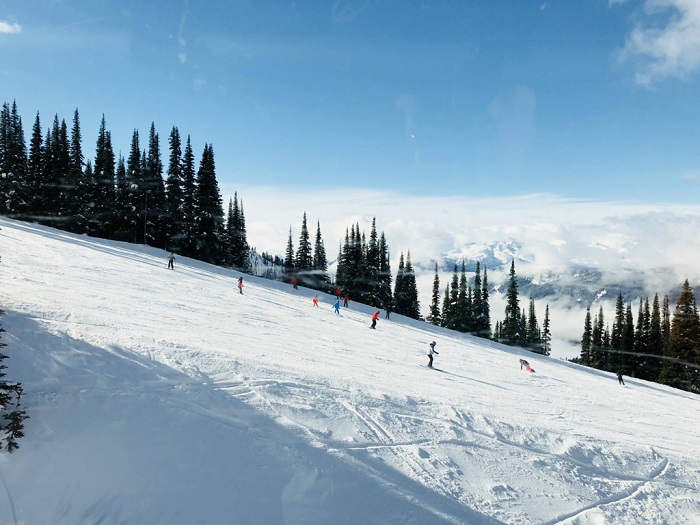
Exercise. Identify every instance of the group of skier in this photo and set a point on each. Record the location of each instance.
(336, 306)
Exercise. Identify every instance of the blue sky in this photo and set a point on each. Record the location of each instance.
(590, 99)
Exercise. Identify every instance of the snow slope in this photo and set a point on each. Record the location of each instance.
(161, 396)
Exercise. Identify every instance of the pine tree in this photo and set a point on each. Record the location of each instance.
(532, 331)
(681, 368)
(35, 173)
(484, 322)
(75, 185)
(238, 237)
(546, 340)
(189, 204)
(122, 211)
(371, 270)
(289, 261)
(451, 314)
(477, 309)
(614, 359)
(627, 348)
(445, 305)
(385, 279)
(100, 215)
(399, 301)
(587, 340)
(155, 192)
(10, 408)
(210, 215)
(134, 198)
(174, 220)
(656, 344)
(463, 313)
(304, 256)
(13, 162)
(320, 263)
(596, 357)
(405, 291)
(511, 326)
(434, 316)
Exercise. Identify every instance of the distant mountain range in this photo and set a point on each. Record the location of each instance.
(583, 283)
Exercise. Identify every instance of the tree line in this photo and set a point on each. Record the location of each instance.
(466, 308)
(657, 347)
(363, 270)
(136, 199)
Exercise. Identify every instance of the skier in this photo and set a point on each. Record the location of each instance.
(171, 261)
(346, 298)
(619, 378)
(240, 284)
(315, 300)
(294, 283)
(431, 351)
(375, 316)
(336, 306)
(337, 293)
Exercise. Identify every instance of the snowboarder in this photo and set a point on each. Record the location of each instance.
(315, 300)
(431, 351)
(171, 261)
(240, 284)
(526, 365)
(346, 298)
(294, 283)
(619, 378)
(375, 316)
(336, 306)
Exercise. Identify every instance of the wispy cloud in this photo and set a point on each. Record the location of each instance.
(670, 50)
(9, 27)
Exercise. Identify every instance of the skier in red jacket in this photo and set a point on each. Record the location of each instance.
(374, 319)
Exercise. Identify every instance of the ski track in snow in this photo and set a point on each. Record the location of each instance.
(478, 442)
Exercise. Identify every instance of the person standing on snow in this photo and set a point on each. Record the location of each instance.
(240, 284)
(346, 299)
(431, 351)
(315, 300)
(171, 261)
(619, 378)
(294, 283)
(336, 306)
(374, 319)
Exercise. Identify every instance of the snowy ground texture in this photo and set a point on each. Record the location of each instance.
(160, 396)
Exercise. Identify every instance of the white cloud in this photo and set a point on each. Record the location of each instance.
(9, 27)
(672, 50)
(553, 231)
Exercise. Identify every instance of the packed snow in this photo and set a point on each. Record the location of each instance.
(166, 396)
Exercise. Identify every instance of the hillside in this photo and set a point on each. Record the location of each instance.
(160, 396)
